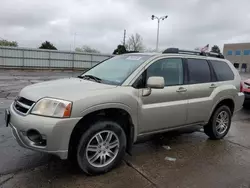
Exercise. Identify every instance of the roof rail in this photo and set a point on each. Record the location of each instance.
(193, 52)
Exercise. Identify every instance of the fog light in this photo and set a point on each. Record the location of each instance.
(34, 136)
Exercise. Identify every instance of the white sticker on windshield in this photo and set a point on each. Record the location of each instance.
(134, 58)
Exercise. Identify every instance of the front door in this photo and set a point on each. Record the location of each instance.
(167, 107)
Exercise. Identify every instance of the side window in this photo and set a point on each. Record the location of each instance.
(199, 71)
(171, 69)
(222, 70)
(140, 81)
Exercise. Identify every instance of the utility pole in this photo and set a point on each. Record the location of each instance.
(124, 37)
(74, 41)
(157, 40)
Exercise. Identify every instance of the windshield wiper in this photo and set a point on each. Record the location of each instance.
(99, 80)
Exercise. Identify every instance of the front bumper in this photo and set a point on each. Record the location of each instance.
(55, 131)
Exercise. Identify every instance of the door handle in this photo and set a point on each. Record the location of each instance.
(181, 89)
(212, 86)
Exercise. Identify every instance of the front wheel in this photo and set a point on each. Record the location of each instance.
(101, 147)
(219, 123)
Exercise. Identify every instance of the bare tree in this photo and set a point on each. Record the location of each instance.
(8, 43)
(87, 49)
(135, 43)
(149, 50)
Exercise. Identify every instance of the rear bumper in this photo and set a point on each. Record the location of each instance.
(239, 100)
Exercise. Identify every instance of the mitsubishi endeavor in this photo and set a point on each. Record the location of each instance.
(96, 117)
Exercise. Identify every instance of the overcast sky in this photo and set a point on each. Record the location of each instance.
(100, 23)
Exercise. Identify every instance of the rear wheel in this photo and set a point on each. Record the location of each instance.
(219, 123)
(101, 147)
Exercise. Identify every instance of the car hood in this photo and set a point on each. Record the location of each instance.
(69, 89)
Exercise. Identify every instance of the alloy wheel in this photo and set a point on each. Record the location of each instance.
(102, 148)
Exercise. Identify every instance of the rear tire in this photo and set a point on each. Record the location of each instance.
(101, 147)
(219, 124)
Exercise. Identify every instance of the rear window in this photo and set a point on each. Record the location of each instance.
(222, 70)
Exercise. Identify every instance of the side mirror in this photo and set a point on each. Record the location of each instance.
(156, 82)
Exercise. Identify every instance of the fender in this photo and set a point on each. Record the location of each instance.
(103, 106)
(215, 105)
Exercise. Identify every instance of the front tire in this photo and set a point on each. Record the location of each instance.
(219, 124)
(101, 147)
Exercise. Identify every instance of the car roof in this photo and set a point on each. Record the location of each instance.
(184, 53)
(143, 53)
(158, 54)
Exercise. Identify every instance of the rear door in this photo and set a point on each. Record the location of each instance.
(201, 83)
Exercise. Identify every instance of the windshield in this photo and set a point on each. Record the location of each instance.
(115, 70)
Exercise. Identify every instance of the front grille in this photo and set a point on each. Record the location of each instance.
(23, 105)
(21, 108)
(25, 101)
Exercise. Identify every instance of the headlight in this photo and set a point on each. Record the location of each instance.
(52, 107)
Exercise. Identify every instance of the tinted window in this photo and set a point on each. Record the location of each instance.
(222, 70)
(237, 52)
(230, 52)
(170, 69)
(199, 71)
(246, 52)
(140, 81)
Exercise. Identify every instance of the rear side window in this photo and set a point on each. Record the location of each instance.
(199, 71)
(222, 70)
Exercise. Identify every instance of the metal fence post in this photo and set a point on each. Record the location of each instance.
(23, 58)
(73, 61)
(49, 60)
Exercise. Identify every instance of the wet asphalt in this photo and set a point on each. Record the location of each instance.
(172, 160)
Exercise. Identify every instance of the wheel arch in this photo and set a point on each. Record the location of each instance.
(118, 112)
(228, 101)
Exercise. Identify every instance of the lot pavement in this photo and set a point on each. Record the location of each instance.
(175, 160)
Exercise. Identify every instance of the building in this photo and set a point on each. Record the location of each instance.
(239, 55)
